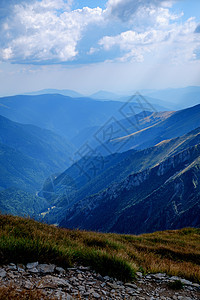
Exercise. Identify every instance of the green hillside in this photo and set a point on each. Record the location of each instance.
(40, 144)
(173, 252)
(20, 170)
(28, 154)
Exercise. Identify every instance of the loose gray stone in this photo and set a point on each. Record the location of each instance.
(86, 294)
(2, 273)
(196, 285)
(12, 266)
(60, 270)
(114, 286)
(130, 291)
(84, 268)
(45, 269)
(159, 276)
(186, 282)
(32, 265)
(175, 278)
(131, 285)
(96, 295)
(60, 282)
(20, 267)
(139, 274)
(33, 270)
(28, 285)
(87, 284)
(106, 278)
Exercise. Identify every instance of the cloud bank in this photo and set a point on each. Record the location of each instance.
(45, 31)
(51, 32)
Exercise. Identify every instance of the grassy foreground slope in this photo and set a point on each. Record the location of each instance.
(174, 252)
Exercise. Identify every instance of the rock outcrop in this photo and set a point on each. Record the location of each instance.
(83, 283)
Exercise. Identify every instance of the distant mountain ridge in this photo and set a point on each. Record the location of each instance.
(181, 97)
(65, 92)
(174, 98)
(176, 124)
(63, 115)
(120, 128)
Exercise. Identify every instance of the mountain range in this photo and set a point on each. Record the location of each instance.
(69, 93)
(171, 98)
(167, 127)
(129, 167)
(63, 115)
(154, 199)
(95, 188)
(180, 97)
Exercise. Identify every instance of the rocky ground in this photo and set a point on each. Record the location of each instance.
(83, 283)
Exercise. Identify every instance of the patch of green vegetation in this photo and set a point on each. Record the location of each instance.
(188, 231)
(102, 243)
(120, 256)
(23, 240)
(130, 238)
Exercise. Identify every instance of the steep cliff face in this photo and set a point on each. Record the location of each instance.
(174, 205)
(144, 201)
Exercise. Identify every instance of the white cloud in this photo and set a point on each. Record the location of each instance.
(92, 51)
(45, 31)
(177, 42)
(7, 53)
(126, 9)
(48, 31)
(129, 39)
(54, 4)
(136, 44)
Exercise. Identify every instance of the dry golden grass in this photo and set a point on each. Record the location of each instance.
(173, 252)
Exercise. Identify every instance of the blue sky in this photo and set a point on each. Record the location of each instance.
(89, 45)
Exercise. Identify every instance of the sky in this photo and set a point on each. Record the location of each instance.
(89, 45)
